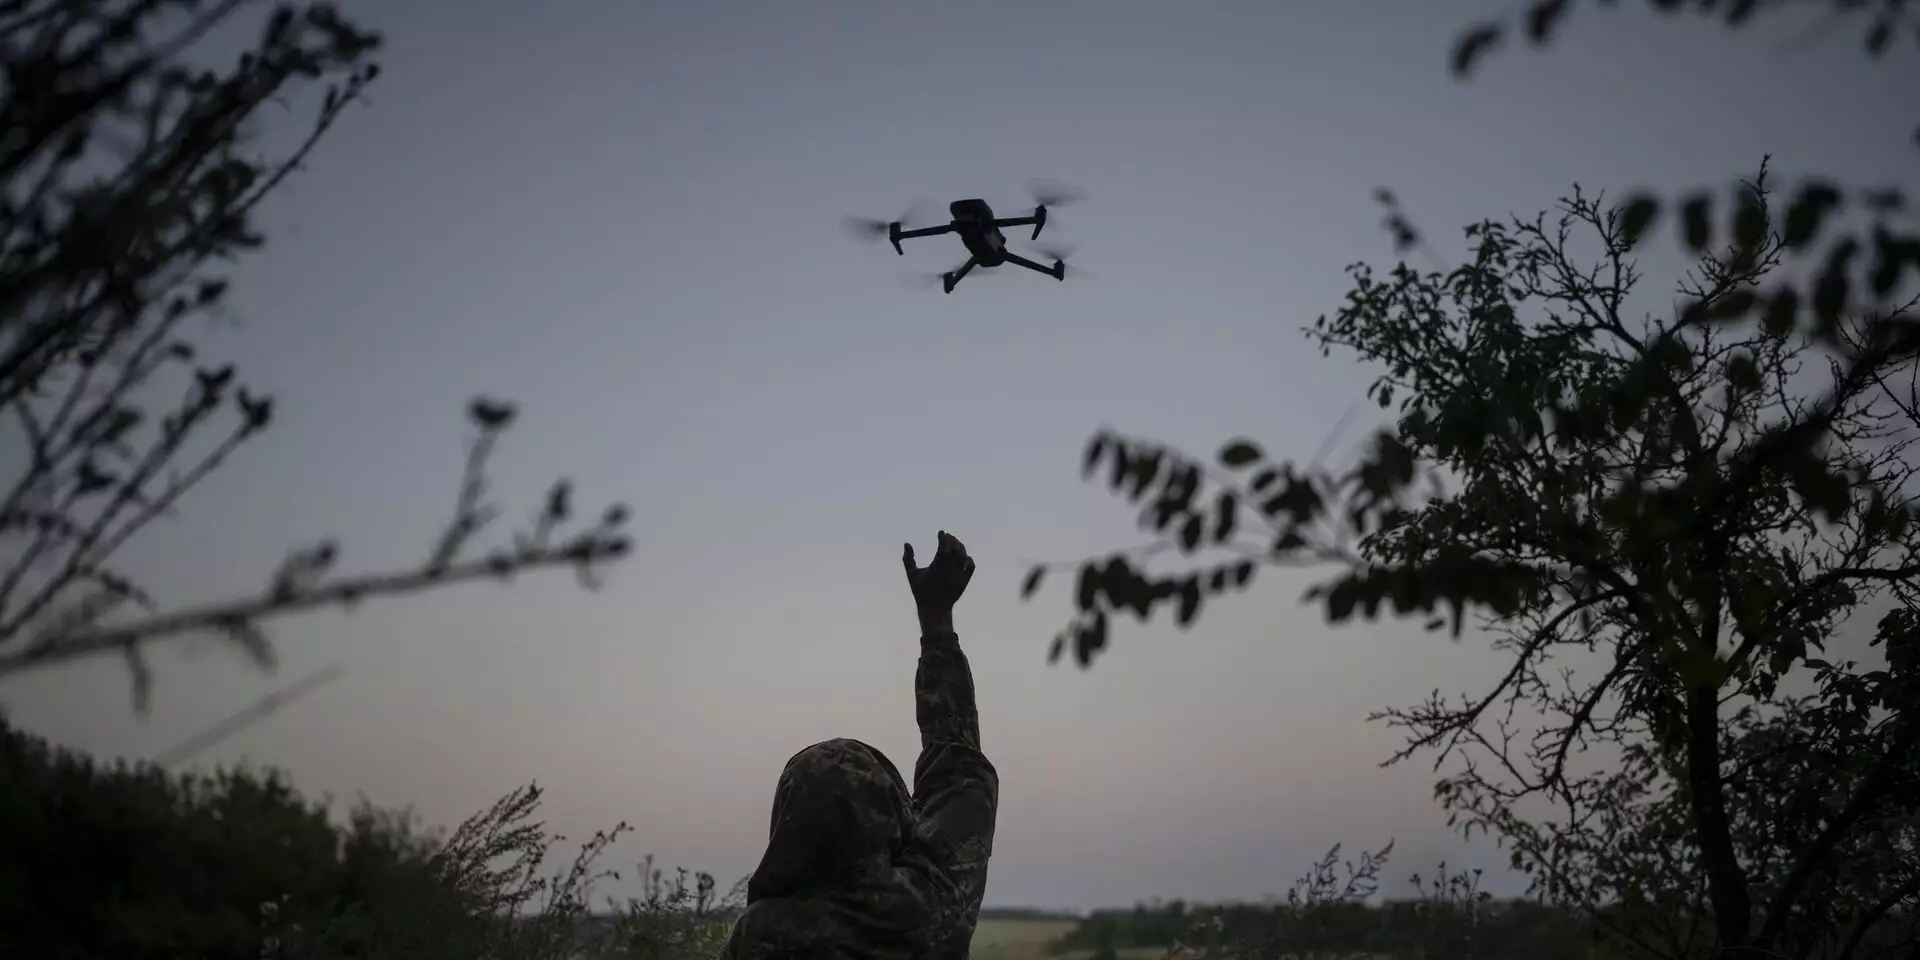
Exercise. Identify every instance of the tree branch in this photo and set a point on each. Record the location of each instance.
(1876, 782)
(346, 591)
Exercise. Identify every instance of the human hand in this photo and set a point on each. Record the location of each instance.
(939, 585)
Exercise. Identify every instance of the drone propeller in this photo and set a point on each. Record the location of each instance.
(863, 228)
(1048, 194)
(925, 279)
(1053, 193)
(1062, 253)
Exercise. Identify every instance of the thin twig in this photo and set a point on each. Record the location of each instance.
(345, 591)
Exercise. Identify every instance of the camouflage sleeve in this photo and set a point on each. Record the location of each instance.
(956, 791)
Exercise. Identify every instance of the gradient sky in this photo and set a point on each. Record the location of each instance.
(623, 216)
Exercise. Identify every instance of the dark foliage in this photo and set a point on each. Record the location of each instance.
(129, 185)
(1702, 498)
(1678, 494)
(1335, 913)
(1880, 24)
(1432, 925)
(129, 862)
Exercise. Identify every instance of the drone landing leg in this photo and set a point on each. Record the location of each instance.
(953, 277)
(1056, 271)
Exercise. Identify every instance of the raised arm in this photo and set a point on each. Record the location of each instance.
(956, 791)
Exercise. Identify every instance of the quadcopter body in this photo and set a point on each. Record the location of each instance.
(981, 233)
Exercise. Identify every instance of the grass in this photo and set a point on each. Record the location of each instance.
(997, 939)
(1001, 939)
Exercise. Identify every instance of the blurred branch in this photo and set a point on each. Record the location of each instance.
(300, 584)
(220, 617)
(125, 177)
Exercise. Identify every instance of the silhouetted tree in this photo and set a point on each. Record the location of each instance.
(1649, 488)
(128, 186)
(1668, 491)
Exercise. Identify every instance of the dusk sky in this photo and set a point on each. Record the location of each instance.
(625, 217)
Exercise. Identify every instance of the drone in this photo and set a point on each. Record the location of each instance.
(980, 232)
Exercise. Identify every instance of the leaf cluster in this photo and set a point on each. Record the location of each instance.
(1248, 512)
(1542, 21)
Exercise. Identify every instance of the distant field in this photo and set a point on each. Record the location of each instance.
(1016, 939)
(996, 939)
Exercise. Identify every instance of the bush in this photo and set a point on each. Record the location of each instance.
(129, 861)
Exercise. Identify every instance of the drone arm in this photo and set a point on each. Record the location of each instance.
(895, 234)
(1057, 271)
(1038, 220)
(926, 232)
(953, 277)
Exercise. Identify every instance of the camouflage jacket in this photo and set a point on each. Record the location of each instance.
(856, 866)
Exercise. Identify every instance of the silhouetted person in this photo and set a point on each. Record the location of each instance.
(857, 867)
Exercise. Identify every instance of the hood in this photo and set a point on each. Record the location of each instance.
(839, 859)
(841, 815)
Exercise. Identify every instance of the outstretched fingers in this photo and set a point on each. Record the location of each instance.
(950, 558)
(957, 561)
